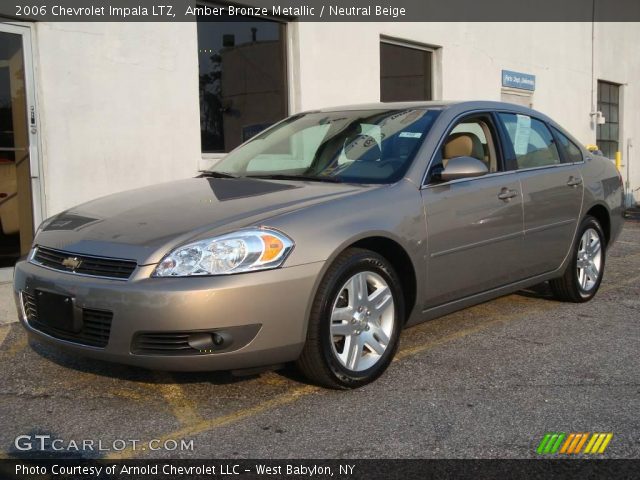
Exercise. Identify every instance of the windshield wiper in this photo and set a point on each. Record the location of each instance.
(214, 174)
(310, 178)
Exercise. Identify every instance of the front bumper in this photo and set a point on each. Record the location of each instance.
(278, 301)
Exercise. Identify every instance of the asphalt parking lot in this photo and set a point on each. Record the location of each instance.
(484, 382)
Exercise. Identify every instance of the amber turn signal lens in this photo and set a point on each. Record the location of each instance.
(273, 246)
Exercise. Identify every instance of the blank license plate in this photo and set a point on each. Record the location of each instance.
(55, 310)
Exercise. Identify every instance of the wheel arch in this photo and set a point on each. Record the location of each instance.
(393, 251)
(602, 214)
(399, 258)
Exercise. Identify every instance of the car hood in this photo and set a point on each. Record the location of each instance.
(143, 224)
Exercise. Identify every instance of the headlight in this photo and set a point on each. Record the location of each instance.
(241, 251)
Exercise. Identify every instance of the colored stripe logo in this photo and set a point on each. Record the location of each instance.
(573, 443)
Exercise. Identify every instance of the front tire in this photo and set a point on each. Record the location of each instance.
(355, 322)
(583, 276)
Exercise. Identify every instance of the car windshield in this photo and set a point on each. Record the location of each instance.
(359, 146)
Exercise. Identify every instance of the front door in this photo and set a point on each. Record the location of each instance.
(475, 237)
(474, 225)
(18, 155)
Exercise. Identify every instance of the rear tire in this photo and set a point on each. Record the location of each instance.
(583, 275)
(352, 337)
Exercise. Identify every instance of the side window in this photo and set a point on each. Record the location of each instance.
(571, 151)
(532, 141)
(472, 137)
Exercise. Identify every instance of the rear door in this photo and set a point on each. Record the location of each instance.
(474, 225)
(551, 188)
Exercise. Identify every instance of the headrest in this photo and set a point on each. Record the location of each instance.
(463, 144)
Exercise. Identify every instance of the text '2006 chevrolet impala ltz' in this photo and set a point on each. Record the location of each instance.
(321, 238)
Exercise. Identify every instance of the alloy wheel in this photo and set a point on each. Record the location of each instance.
(589, 264)
(362, 321)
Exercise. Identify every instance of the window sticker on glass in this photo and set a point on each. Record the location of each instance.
(410, 134)
(374, 131)
(523, 132)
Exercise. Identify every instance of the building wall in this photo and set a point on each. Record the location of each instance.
(119, 102)
(118, 107)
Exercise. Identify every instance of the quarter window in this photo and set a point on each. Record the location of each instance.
(242, 72)
(571, 151)
(532, 141)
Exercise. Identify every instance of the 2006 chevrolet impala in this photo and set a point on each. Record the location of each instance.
(321, 238)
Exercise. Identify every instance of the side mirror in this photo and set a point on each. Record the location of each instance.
(463, 167)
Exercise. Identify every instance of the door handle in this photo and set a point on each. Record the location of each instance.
(574, 181)
(506, 194)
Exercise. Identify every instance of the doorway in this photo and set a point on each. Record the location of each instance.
(18, 152)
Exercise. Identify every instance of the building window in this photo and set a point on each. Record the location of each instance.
(406, 72)
(242, 66)
(609, 104)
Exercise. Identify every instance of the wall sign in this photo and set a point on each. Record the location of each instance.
(523, 81)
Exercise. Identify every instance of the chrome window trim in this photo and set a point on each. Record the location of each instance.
(542, 167)
(424, 185)
(497, 174)
(461, 180)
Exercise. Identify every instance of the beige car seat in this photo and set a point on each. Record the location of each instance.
(463, 144)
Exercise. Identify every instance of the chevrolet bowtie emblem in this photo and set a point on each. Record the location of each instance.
(71, 263)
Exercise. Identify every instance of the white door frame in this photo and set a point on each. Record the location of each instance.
(25, 30)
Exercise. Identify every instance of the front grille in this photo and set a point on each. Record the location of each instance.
(87, 265)
(96, 324)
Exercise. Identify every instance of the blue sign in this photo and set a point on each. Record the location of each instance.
(523, 81)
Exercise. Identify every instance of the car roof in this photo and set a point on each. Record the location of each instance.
(388, 106)
(460, 106)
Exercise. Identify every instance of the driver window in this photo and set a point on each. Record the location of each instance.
(470, 138)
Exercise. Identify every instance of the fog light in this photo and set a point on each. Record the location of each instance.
(201, 341)
(208, 342)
